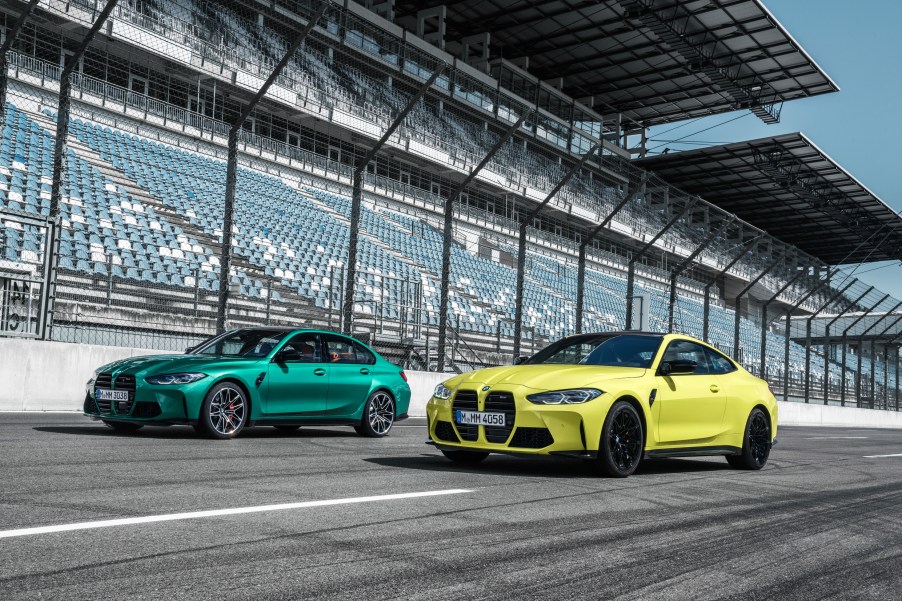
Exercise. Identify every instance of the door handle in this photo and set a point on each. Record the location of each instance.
(365, 371)
(714, 388)
(319, 371)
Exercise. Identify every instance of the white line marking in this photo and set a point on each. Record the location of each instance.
(834, 437)
(879, 456)
(168, 517)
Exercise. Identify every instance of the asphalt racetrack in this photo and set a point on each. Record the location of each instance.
(325, 514)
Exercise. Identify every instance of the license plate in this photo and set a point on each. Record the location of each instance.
(477, 418)
(111, 395)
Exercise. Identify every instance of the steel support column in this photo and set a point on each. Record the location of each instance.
(764, 315)
(11, 35)
(521, 248)
(347, 306)
(808, 336)
(581, 266)
(845, 345)
(861, 340)
(827, 341)
(789, 313)
(60, 149)
(748, 245)
(742, 293)
(676, 271)
(631, 268)
(225, 256)
(448, 232)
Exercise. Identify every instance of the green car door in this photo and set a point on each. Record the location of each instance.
(298, 378)
(350, 371)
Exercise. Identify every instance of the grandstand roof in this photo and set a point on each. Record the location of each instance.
(655, 61)
(790, 188)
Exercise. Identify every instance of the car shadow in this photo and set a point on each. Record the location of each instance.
(186, 432)
(544, 467)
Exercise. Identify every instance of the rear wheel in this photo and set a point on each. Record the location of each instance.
(123, 427)
(378, 415)
(469, 457)
(223, 413)
(756, 443)
(620, 449)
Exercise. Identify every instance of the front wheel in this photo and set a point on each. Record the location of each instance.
(223, 413)
(756, 443)
(620, 448)
(123, 427)
(378, 415)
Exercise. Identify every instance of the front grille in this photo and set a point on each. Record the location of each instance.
(500, 402)
(532, 438)
(122, 382)
(466, 400)
(445, 431)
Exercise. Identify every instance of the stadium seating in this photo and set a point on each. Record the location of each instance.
(298, 237)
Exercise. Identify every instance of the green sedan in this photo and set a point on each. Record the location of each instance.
(282, 377)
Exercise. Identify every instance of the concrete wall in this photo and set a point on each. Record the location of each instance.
(50, 376)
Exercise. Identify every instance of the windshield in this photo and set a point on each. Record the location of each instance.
(241, 343)
(615, 350)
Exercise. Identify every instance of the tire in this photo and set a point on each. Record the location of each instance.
(468, 457)
(224, 412)
(622, 442)
(287, 428)
(378, 415)
(123, 427)
(756, 443)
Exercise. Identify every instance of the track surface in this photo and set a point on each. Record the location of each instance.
(820, 521)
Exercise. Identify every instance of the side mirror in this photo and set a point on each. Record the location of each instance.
(520, 360)
(677, 367)
(190, 350)
(288, 353)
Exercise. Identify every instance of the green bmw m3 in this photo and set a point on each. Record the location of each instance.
(282, 377)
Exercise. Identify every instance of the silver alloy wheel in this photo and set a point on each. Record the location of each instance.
(382, 413)
(226, 411)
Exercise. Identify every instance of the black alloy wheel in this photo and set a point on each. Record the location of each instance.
(622, 441)
(756, 443)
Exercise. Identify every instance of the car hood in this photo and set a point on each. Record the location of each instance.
(545, 377)
(163, 364)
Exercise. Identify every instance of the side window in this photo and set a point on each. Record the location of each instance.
(719, 363)
(364, 355)
(341, 350)
(688, 351)
(303, 348)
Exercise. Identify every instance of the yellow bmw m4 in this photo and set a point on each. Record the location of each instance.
(613, 398)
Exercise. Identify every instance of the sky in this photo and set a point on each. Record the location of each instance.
(860, 47)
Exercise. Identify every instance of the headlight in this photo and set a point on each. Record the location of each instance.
(574, 396)
(93, 378)
(185, 378)
(442, 392)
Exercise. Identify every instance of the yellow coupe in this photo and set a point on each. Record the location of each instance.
(613, 398)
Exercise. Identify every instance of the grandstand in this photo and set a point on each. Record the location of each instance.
(536, 117)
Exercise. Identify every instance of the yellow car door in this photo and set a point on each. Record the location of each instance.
(692, 399)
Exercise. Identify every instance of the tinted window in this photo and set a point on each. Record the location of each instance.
(242, 343)
(683, 350)
(719, 363)
(345, 350)
(620, 350)
(303, 348)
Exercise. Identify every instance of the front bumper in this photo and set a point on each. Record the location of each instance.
(572, 430)
(147, 404)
